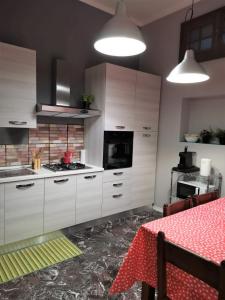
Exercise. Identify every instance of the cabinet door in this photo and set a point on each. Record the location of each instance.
(147, 102)
(116, 197)
(60, 198)
(24, 203)
(2, 216)
(17, 86)
(119, 98)
(89, 197)
(144, 167)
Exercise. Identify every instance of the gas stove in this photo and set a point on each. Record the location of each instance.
(65, 167)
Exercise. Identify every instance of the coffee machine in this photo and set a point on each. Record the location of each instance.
(186, 162)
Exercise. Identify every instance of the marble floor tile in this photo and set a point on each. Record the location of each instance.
(104, 244)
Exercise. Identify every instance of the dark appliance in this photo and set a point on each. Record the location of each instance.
(118, 149)
(65, 167)
(185, 190)
(186, 164)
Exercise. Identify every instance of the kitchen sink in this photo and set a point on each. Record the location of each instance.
(16, 172)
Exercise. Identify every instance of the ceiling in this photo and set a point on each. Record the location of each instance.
(143, 12)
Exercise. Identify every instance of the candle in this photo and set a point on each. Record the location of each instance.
(205, 169)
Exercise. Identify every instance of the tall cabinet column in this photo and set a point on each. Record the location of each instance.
(129, 101)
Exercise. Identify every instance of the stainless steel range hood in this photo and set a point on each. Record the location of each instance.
(66, 112)
(61, 97)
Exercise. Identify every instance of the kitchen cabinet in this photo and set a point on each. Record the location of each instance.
(89, 197)
(116, 197)
(24, 204)
(144, 168)
(119, 98)
(17, 86)
(60, 198)
(146, 112)
(117, 174)
(2, 213)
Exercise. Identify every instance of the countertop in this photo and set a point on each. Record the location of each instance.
(45, 173)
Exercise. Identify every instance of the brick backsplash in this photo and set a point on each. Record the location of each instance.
(39, 135)
(16, 155)
(55, 139)
(2, 156)
(58, 134)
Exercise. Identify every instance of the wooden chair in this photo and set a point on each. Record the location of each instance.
(207, 271)
(173, 208)
(204, 198)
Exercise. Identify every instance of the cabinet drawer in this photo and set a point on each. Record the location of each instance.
(116, 199)
(115, 187)
(89, 197)
(117, 174)
(24, 203)
(60, 197)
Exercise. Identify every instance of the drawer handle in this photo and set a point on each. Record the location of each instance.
(90, 177)
(24, 186)
(117, 196)
(17, 123)
(61, 180)
(146, 135)
(117, 184)
(147, 128)
(118, 173)
(120, 127)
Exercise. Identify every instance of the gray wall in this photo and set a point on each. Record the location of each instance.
(161, 56)
(55, 29)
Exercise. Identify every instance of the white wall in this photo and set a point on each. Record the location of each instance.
(162, 55)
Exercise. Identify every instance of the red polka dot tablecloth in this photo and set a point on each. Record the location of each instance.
(200, 229)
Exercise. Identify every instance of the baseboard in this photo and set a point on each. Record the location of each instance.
(157, 208)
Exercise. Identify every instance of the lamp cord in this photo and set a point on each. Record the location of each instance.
(190, 10)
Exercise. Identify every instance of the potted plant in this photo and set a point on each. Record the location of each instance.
(220, 134)
(87, 100)
(206, 136)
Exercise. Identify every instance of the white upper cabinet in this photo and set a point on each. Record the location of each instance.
(60, 201)
(147, 102)
(119, 98)
(17, 87)
(2, 214)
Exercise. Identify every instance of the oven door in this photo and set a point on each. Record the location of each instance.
(185, 190)
(118, 150)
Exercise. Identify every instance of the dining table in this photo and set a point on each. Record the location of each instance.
(200, 229)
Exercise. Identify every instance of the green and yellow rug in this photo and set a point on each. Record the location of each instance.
(19, 262)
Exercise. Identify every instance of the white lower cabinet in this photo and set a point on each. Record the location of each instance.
(24, 203)
(2, 213)
(60, 199)
(116, 197)
(143, 187)
(89, 197)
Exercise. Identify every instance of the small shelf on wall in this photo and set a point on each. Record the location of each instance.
(199, 143)
(202, 113)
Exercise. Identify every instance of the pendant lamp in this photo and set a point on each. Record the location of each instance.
(120, 36)
(189, 70)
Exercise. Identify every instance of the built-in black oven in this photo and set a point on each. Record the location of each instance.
(118, 149)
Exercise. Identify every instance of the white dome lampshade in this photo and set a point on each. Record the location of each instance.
(188, 71)
(120, 36)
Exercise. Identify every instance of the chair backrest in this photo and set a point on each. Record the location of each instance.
(173, 208)
(204, 198)
(207, 271)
